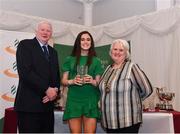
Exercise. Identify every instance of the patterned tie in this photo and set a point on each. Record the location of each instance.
(46, 52)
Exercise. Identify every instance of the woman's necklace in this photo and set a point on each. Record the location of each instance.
(109, 78)
(111, 74)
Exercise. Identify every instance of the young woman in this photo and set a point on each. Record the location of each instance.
(82, 110)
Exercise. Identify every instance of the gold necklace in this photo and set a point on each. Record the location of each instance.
(111, 74)
(109, 79)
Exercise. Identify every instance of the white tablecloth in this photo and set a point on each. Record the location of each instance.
(152, 123)
(157, 123)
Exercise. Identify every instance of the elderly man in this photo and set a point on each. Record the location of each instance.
(39, 82)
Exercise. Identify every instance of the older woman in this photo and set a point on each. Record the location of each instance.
(123, 86)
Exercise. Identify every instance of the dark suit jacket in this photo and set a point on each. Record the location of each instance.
(36, 74)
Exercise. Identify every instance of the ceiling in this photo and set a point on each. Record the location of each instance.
(72, 11)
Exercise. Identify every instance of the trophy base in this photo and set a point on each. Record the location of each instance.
(168, 107)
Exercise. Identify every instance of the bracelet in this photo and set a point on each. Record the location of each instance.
(70, 82)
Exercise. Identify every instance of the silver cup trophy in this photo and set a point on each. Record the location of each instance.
(165, 99)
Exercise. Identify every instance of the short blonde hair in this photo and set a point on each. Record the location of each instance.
(124, 43)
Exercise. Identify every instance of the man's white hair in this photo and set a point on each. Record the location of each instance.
(43, 22)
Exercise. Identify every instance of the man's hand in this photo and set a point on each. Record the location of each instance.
(45, 99)
(51, 93)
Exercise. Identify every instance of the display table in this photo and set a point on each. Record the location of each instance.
(153, 122)
(10, 121)
(157, 123)
(176, 120)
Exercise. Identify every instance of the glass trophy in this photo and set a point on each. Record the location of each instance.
(82, 70)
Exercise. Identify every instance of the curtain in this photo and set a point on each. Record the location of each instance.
(155, 43)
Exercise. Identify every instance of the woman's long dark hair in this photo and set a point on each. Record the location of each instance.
(77, 49)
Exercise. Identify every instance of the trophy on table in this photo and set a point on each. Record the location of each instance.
(165, 99)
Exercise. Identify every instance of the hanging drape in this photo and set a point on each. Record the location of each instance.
(155, 40)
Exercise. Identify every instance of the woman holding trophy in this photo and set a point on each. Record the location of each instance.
(81, 73)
